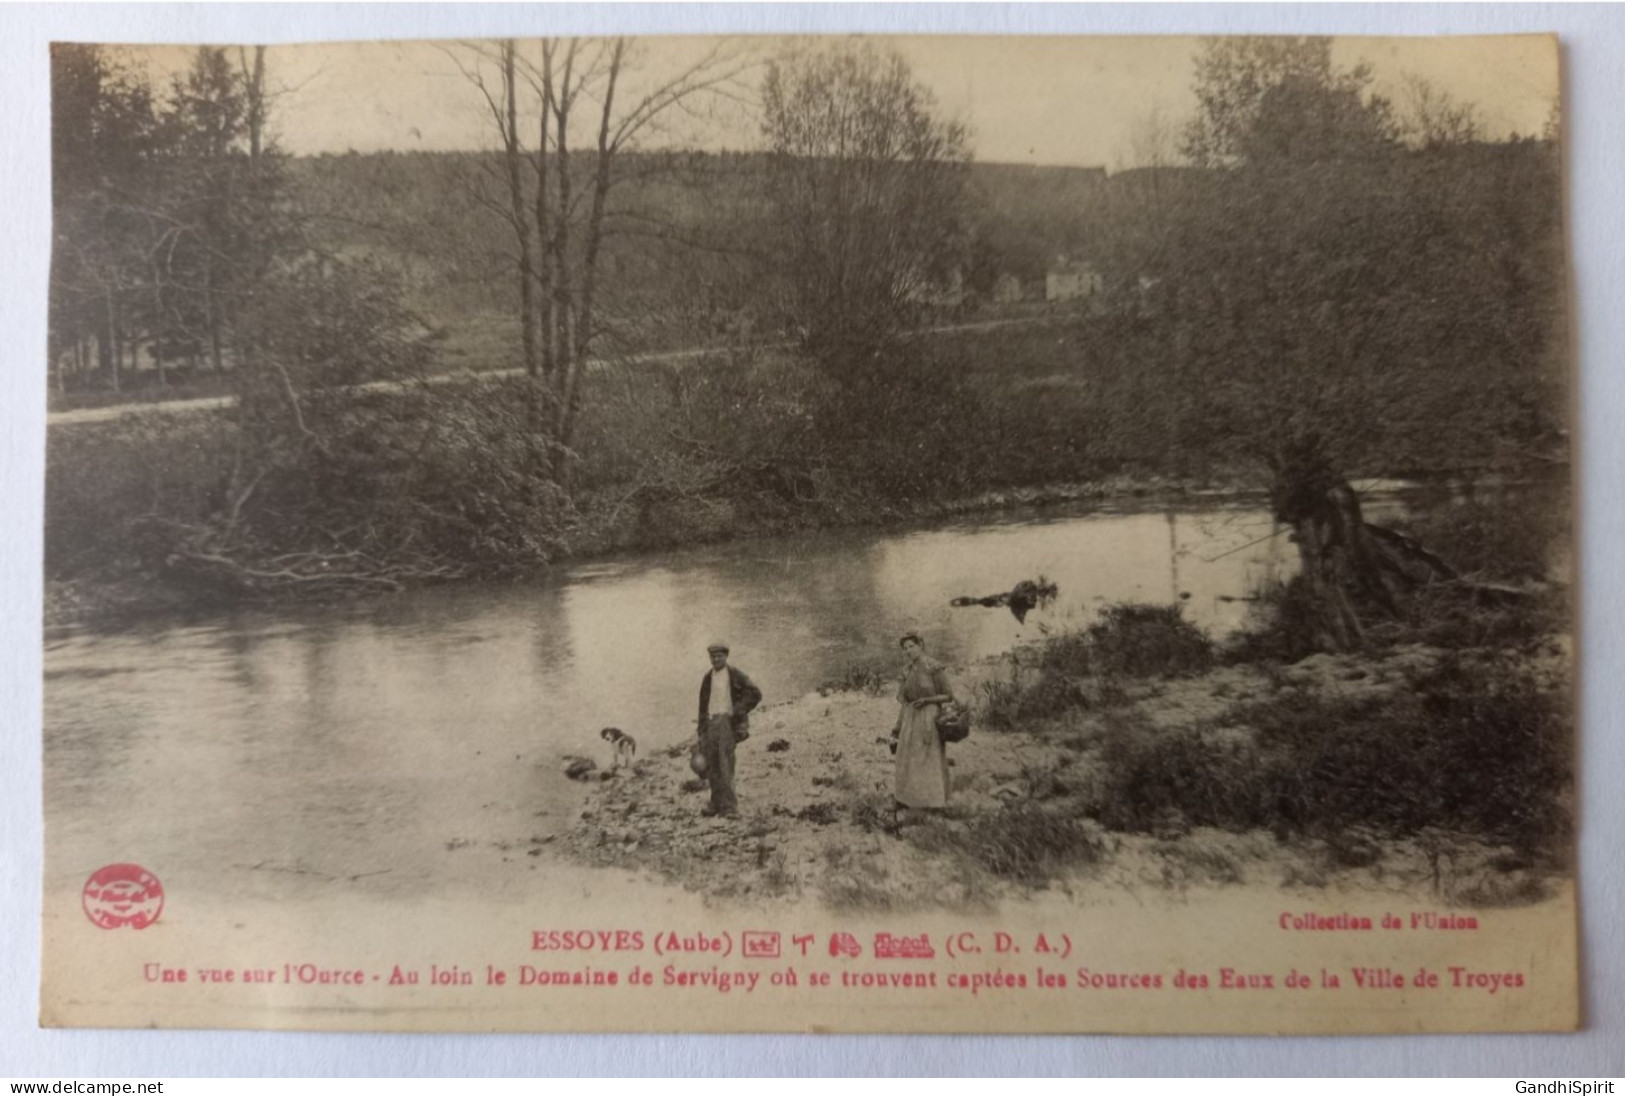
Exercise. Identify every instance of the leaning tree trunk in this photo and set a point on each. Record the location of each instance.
(1351, 571)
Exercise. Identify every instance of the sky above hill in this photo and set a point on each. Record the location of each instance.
(1090, 101)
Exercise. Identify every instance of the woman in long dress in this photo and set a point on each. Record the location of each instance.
(922, 762)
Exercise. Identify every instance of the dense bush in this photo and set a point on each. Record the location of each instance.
(388, 477)
(1502, 534)
(1477, 748)
(903, 424)
(1020, 700)
(1207, 779)
(1140, 640)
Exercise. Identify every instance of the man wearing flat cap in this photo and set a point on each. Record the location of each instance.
(726, 699)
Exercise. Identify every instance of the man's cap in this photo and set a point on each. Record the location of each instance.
(723, 647)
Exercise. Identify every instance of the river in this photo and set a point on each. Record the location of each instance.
(372, 738)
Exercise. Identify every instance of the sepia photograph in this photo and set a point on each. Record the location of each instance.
(827, 533)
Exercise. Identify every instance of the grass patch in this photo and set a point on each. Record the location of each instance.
(819, 814)
(872, 812)
(1008, 703)
(1085, 670)
(1469, 873)
(1474, 747)
(1023, 843)
(857, 677)
(846, 781)
(778, 879)
(1068, 654)
(1193, 861)
(849, 882)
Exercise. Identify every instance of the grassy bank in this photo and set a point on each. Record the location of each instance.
(1365, 772)
(431, 483)
(369, 492)
(1135, 752)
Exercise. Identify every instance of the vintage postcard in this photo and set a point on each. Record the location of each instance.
(830, 534)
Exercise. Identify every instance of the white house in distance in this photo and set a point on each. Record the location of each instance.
(1070, 281)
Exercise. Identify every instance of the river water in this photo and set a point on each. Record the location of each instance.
(364, 738)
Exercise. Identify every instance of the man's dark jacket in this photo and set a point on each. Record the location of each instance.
(744, 693)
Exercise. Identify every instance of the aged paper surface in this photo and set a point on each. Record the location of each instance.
(1197, 405)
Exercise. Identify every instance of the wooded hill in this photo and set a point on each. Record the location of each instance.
(691, 228)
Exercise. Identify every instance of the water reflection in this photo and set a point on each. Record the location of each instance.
(365, 737)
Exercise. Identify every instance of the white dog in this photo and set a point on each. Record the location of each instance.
(624, 745)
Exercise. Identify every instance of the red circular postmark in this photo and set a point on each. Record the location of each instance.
(123, 894)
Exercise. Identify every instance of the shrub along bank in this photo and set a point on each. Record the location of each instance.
(437, 481)
(1454, 725)
(440, 481)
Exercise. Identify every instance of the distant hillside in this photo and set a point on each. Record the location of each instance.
(439, 215)
(687, 225)
(689, 236)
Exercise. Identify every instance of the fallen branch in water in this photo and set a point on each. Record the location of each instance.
(312, 570)
(286, 575)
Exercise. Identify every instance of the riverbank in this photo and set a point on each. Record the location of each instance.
(351, 493)
(1067, 801)
(131, 595)
(127, 593)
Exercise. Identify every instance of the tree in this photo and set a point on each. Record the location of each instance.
(105, 142)
(228, 208)
(1235, 79)
(179, 231)
(169, 209)
(1303, 120)
(566, 118)
(1350, 303)
(1155, 142)
(1433, 118)
(867, 187)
